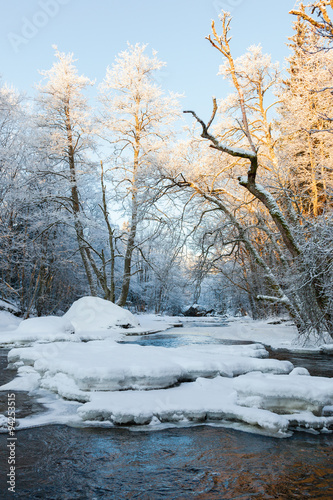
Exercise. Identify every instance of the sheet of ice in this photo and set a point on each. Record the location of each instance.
(199, 401)
(306, 420)
(212, 399)
(27, 379)
(209, 400)
(284, 393)
(153, 323)
(109, 366)
(57, 411)
(65, 387)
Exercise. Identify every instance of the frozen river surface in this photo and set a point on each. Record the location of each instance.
(203, 462)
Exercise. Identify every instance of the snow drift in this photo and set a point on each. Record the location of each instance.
(93, 313)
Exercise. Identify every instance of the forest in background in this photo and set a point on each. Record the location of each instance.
(118, 198)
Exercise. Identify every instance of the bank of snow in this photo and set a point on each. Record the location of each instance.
(109, 366)
(89, 318)
(274, 332)
(215, 399)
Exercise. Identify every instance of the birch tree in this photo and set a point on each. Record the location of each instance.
(136, 119)
(65, 140)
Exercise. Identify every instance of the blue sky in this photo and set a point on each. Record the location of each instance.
(97, 30)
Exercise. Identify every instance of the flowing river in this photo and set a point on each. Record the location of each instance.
(199, 462)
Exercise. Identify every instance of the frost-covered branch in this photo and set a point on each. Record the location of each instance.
(216, 144)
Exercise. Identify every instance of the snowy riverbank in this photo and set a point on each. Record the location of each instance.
(76, 366)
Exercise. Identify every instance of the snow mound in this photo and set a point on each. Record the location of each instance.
(8, 321)
(93, 313)
(299, 370)
(89, 318)
(48, 324)
(45, 329)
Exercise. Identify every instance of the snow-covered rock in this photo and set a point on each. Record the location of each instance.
(196, 310)
(93, 313)
(88, 318)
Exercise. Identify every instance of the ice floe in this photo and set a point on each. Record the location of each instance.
(110, 366)
(200, 401)
(284, 393)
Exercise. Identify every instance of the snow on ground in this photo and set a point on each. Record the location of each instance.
(108, 366)
(6, 306)
(92, 313)
(275, 333)
(8, 321)
(282, 335)
(89, 318)
(88, 378)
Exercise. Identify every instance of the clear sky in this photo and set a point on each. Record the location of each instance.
(97, 30)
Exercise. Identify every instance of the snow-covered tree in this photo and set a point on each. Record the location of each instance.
(137, 117)
(306, 135)
(263, 226)
(318, 15)
(64, 141)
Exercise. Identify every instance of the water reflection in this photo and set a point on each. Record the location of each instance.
(318, 364)
(202, 462)
(178, 340)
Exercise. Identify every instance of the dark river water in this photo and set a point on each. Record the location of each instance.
(199, 462)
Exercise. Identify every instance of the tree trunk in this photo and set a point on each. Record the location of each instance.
(128, 255)
(84, 252)
(134, 217)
